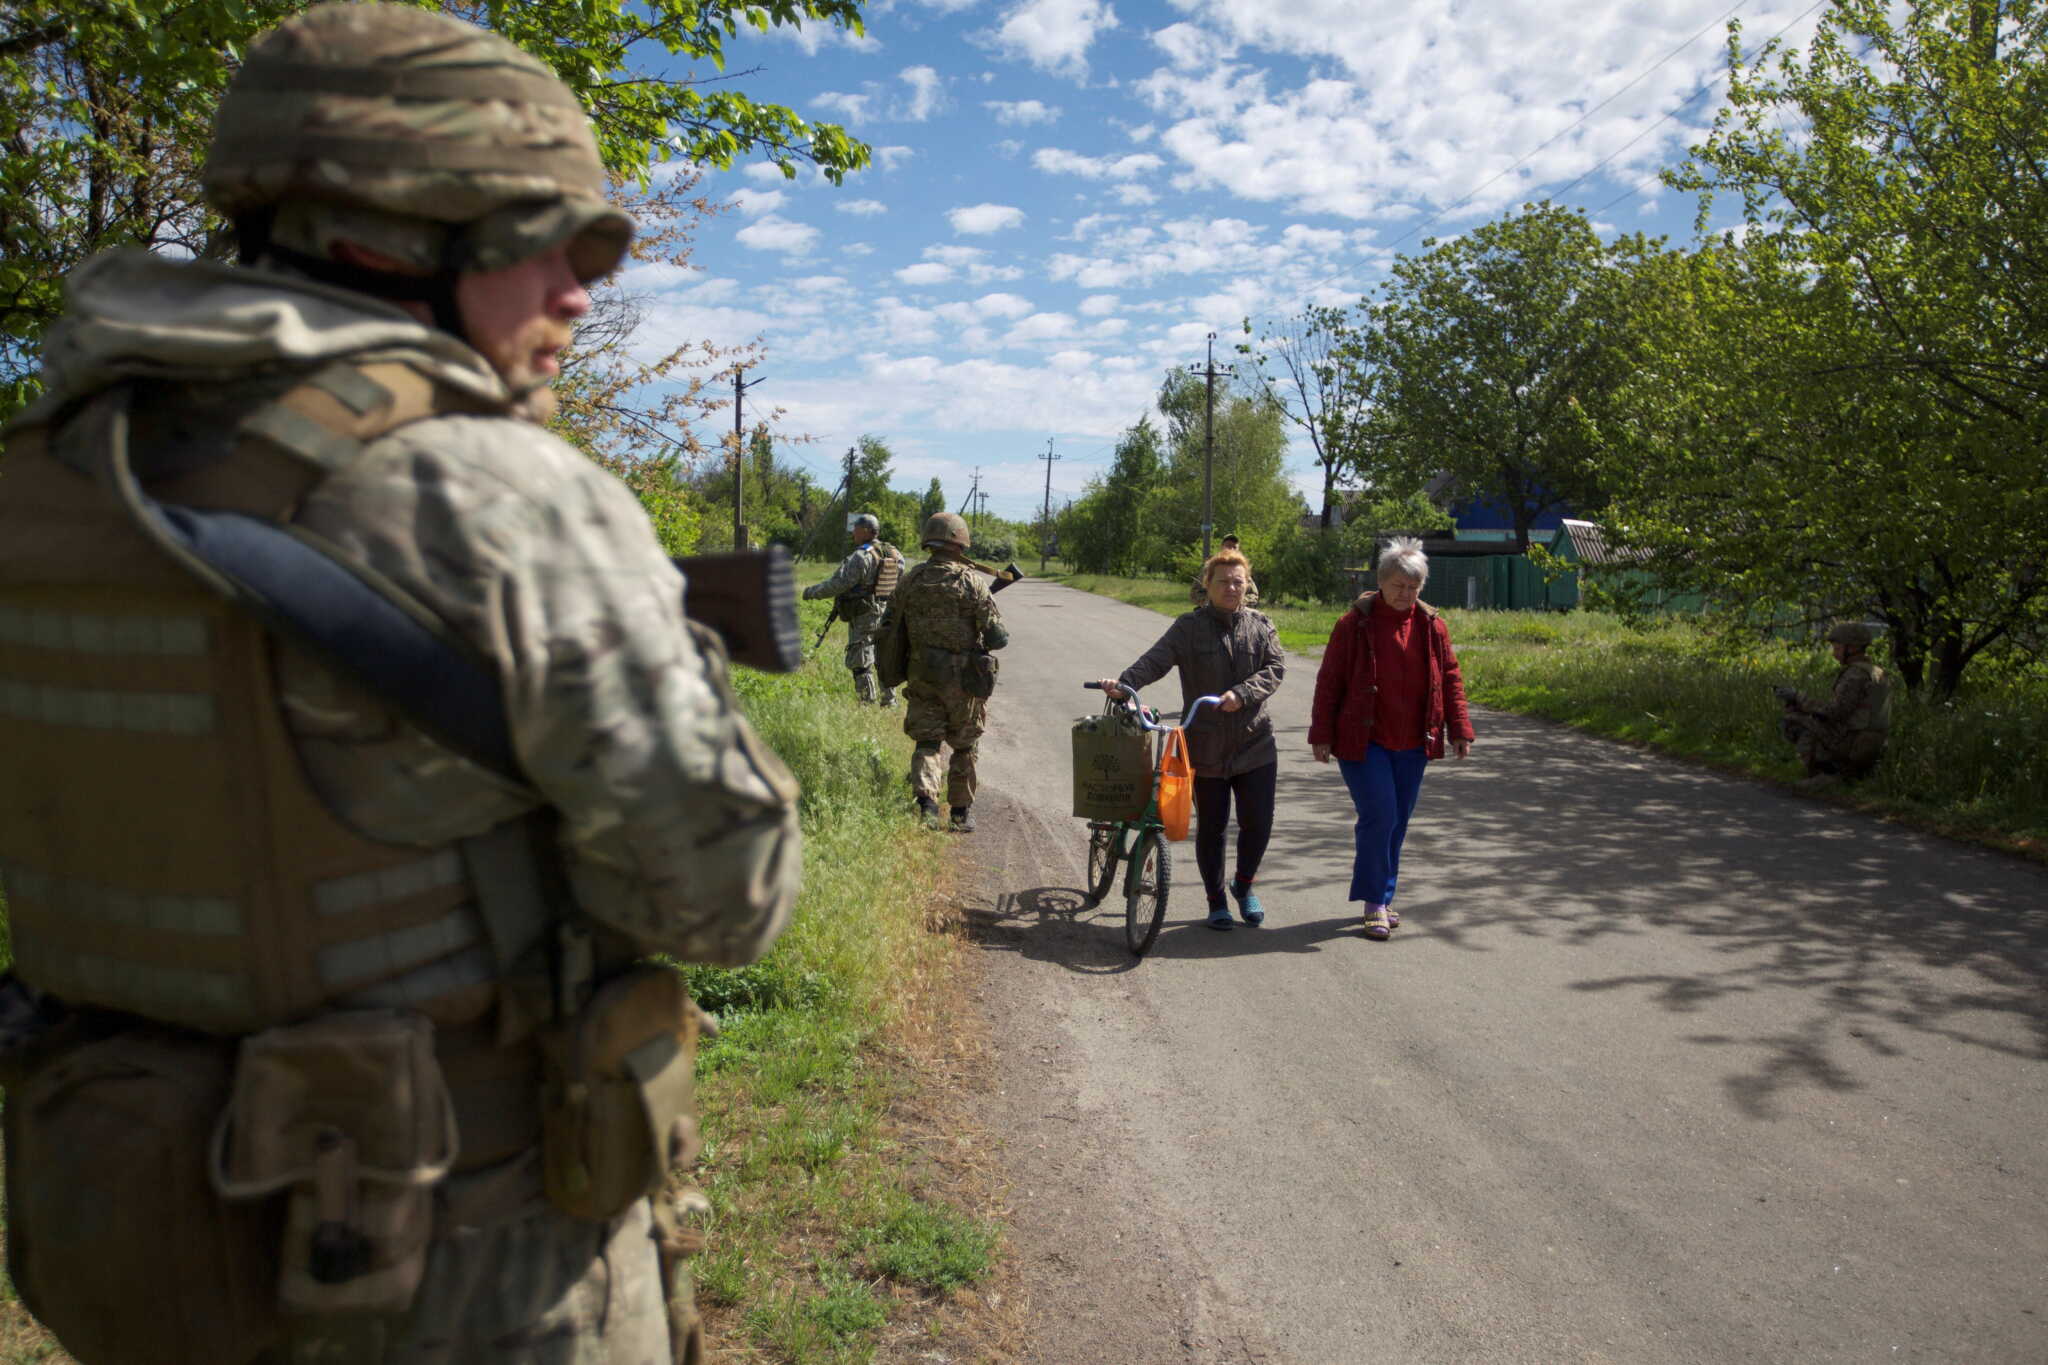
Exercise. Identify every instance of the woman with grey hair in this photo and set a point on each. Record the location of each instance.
(1389, 698)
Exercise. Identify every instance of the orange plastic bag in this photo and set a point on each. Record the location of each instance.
(1176, 785)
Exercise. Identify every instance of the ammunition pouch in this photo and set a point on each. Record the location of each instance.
(347, 1113)
(618, 1094)
(936, 667)
(978, 675)
(115, 1239)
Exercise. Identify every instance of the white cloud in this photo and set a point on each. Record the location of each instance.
(1059, 161)
(1041, 327)
(889, 158)
(978, 219)
(1098, 305)
(862, 208)
(973, 262)
(1002, 305)
(765, 173)
(878, 103)
(1134, 196)
(1022, 112)
(754, 203)
(927, 92)
(778, 234)
(928, 272)
(1054, 35)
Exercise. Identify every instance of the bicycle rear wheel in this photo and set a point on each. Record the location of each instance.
(1105, 847)
(1145, 887)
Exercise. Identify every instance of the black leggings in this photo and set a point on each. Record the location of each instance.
(1255, 793)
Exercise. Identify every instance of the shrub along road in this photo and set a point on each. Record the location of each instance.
(1662, 1066)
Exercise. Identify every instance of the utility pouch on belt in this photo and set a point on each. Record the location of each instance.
(350, 1114)
(938, 667)
(618, 1097)
(115, 1239)
(978, 678)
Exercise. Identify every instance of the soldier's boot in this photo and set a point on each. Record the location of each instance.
(928, 809)
(963, 819)
(888, 699)
(864, 687)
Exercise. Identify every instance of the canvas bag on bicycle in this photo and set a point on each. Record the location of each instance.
(1114, 762)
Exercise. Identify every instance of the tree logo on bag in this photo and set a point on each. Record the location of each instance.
(1105, 763)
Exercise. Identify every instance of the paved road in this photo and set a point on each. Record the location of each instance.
(1663, 1066)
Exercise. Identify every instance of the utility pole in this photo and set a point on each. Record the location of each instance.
(1209, 449)
(740, 385)
(972, 489)
(1045, 517)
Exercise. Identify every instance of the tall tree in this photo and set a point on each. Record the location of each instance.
(1848, 411)
(1319, 372)
(1250, 495)
(104, 112)
(1487, 354)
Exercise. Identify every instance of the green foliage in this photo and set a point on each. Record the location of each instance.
(1315, 368)
(1489, 355)
(1843, 412)
(932, 1247)
(107, 107)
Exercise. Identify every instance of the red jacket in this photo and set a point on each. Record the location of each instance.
(1341, 715)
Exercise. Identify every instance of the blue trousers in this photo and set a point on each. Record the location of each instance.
(1384, 785)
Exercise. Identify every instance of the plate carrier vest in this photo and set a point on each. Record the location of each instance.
(163, 852)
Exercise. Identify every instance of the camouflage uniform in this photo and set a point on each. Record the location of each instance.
(854, 583)
(947, 612)
(676, 829)
(1844, 732)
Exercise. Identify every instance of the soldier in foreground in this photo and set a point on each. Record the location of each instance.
(863, 585)
(951, 625)
(355, 750)
(1843, 735)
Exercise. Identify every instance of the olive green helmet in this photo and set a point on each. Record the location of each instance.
(1853, 634)
(943, 528)
(419, 136)
(868, 520)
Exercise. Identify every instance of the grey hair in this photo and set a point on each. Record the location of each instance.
(1403, 555)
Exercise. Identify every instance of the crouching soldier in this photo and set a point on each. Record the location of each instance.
(863, 585)
(1843, 735)
(950, 620)
(354, 752)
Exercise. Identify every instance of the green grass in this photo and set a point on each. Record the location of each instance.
(815, 1200)
(1971, 767)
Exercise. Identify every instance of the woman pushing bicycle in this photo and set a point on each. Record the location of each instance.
(1229, 649)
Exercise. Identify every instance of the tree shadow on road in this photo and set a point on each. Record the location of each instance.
(1881, 934)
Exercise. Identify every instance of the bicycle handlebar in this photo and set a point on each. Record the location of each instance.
(1131, 697)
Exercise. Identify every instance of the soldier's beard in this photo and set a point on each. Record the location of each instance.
(527, 359)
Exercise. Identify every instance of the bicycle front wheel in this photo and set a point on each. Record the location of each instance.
(1105, 846)
(1145, 888)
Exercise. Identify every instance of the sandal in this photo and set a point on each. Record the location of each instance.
(1375, 922)
(1219, 917)
(1393, 918)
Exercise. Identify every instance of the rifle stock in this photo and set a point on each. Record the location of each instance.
(748, 599)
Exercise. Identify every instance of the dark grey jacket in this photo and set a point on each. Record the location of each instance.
(1216, 654)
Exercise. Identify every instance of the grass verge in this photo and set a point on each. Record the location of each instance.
(1969, 768)
(850, 1223)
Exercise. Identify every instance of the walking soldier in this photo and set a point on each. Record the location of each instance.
(951, 624)
(863, 585)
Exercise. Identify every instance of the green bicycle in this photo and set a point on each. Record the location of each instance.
(1140, 844)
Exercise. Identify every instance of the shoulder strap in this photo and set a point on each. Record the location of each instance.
(359, 623)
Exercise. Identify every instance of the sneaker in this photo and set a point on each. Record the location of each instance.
(1219, 916)
(1248, 907)
(963, 819)
(928, 810)
(1374, 921)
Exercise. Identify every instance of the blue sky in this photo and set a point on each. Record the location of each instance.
(1069, 195)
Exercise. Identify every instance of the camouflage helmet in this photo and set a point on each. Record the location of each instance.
(943, 528)
(868, 520)
(419, 136)
(1852, 634)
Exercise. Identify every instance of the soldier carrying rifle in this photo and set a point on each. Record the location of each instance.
(861, 589)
